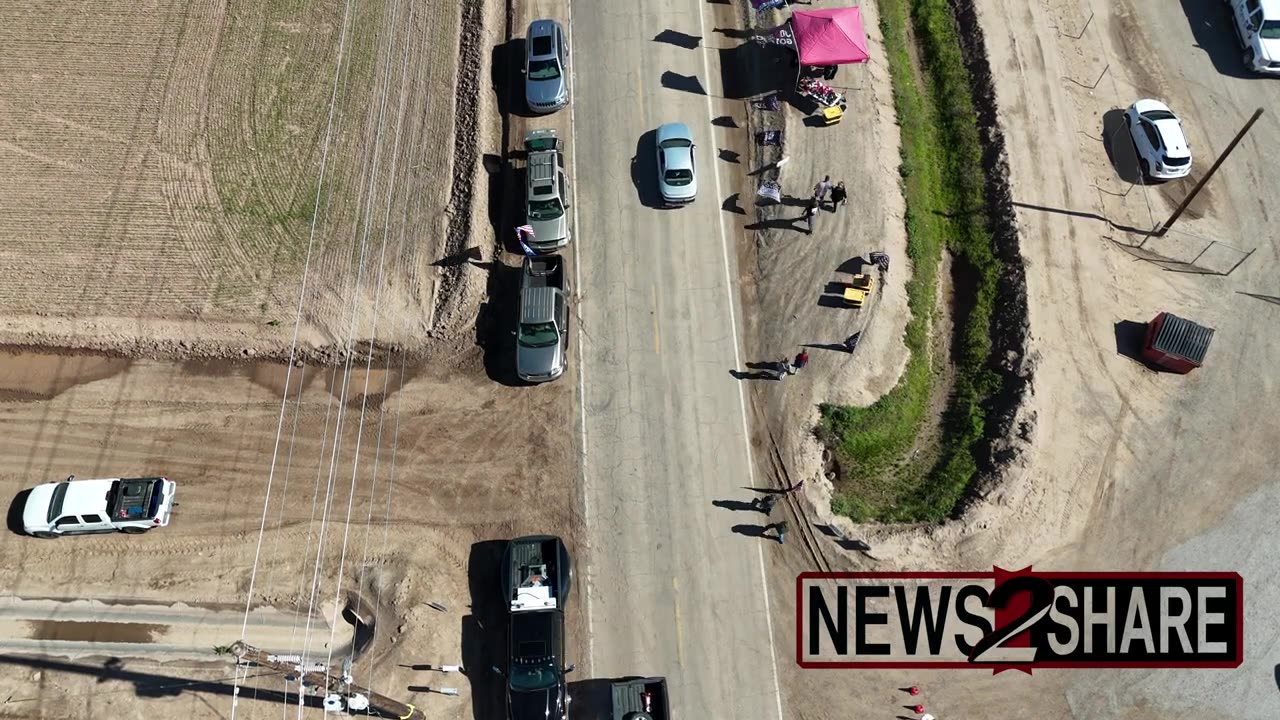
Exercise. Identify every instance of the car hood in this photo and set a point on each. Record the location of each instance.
(1267, 49)
(550, 231)
(544, 92)
(35, 514)
(538, 362)
(534, 705)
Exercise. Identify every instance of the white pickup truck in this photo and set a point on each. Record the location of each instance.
(1257, 27)
(77, 507)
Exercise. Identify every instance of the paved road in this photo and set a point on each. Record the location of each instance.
(674, 590)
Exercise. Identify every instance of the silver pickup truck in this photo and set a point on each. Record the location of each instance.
(542, 339)
(546, 191)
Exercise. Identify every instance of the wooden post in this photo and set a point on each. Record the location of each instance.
(1196, 190)
(377, 702)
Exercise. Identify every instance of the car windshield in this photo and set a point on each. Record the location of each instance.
(1177, 161)
(1270, 30)
(1157, 115)
(55, 503)
(533, 677)
(545, 209)
(679, 177)
(536, 335)
(675, 143)
(543, 70)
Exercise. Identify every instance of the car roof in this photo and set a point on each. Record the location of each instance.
(674, 130)
(86, 496)
(539, 626)
(543, 28)
(1171, 135)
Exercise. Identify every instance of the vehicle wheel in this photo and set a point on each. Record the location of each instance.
(44, 535)
(133, 530)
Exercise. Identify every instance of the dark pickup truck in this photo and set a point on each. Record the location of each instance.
(641, 699)
(537, 576)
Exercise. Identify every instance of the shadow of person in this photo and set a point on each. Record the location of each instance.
(756, 375)
(756, 531)
(734, 505)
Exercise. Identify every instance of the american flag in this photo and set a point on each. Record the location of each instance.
(521, 232)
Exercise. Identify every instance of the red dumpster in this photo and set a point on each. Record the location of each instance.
(1176, 344)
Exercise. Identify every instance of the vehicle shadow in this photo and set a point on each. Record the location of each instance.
(496, 321)
(1119, 146)
(1211, 26)
(484, 631)
(644, 170)
(15, 512)
(507, 78)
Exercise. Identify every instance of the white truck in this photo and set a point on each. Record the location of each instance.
(1257, 27)
(79, 507)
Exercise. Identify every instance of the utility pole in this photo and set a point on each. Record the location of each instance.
(1196, 190)
(377, 702)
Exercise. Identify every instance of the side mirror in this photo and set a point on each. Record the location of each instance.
(570, 669)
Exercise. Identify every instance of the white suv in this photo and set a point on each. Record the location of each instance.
(78, 507)
(1163, 151)
(1257, 26)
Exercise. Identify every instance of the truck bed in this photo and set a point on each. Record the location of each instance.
(135, 499)
(535, 577)
(628, 698)
(545, 271)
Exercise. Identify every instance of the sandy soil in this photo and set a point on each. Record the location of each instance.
(404, 526)
(1130, 469)
(169, 166)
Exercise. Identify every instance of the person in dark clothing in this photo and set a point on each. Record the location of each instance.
(851, 342)
(811, 209)
(838, 195)
(781, 528)
(802, 359)
(765, 504)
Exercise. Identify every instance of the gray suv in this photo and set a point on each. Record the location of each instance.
(542, 337)
(546, 191)
(546, 67)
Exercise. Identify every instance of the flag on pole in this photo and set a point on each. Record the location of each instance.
(520, 235)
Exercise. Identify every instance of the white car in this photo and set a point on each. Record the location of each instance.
(677, 178)
(1163, 151)
(1257, 27)
(78, 507)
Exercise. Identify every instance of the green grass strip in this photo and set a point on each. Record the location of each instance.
(943, 184)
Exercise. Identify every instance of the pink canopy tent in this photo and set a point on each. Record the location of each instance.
(832, 36)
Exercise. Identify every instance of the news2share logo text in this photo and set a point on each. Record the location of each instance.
(1022, 620)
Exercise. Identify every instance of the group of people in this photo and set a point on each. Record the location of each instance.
(820, 192)
(765, 504)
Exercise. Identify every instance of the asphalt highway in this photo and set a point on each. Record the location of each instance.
(673, 589)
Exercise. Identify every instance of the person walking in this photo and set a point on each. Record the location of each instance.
(781, 369)
(851, 342)
(781, 529)
(802, 359)
(821, 189)
(810, 210)
(838, 196)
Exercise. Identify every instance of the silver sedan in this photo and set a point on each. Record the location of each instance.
(677, 178)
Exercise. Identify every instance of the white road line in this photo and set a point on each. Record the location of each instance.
(577, 302)
(737, 362)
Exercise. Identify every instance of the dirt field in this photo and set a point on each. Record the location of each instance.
(432, 488)
(169, 166)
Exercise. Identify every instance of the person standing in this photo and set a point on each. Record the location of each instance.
(765, 504)
(781, 528)
(851, 342)
(838, 196)
(802, 359)
(781, 369)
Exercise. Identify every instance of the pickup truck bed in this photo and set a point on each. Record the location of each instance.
(629, 699)
(546, 271)
(538, 573)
